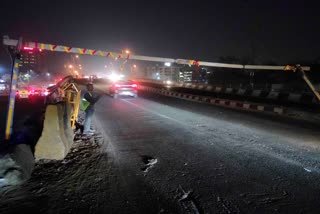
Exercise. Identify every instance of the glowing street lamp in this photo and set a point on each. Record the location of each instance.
(127, 52)
(70, 66)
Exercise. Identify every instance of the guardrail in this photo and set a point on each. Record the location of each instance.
(271, 95)
(313, 117)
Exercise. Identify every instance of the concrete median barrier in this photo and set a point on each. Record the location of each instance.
(313, 117)
(256, 93)
(218, 90)
(241, 92)
(273, 95)
(229, 90)
(294, 97)
(57, 135)
(276, 94)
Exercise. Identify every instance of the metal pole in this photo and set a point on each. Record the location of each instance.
(11, 104)
(309, 83)
(15, 54)
(92, 52)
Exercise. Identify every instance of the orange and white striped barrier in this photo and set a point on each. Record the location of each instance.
(126, 56)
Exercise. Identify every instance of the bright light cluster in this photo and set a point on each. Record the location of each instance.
(115, 77)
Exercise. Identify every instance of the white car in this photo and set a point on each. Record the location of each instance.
(2, 87)
(123, 88)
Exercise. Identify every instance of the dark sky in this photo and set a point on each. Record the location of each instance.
(277, 30)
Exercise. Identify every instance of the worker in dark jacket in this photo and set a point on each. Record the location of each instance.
(92, 97)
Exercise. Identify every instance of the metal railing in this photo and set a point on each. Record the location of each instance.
(67, 91)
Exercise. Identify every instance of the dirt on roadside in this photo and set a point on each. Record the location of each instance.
(55, 186)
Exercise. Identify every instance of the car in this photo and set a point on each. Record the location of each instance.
(2, 87)
(37, 91)
(22, 93)
(123, 88)
(93, 77)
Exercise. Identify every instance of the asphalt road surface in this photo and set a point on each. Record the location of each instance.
(162, 155)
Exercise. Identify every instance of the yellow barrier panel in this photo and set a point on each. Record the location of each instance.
(73, 95)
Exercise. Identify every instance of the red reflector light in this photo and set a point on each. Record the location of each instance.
(27, 48)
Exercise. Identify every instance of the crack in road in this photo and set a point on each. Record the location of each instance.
(188, 202)
(148, 161)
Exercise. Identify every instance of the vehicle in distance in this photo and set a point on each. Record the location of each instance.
(123, 88)
(22, 93)
(37, 91)
(31, 91)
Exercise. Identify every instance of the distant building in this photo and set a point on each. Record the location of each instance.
(178, 73)
(163, 72)
(185, 76)
(32, 61)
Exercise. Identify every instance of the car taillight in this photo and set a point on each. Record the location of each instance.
(117, 86)
(17, 92)
(134, 85)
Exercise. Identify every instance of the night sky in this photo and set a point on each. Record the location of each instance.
(277, 30)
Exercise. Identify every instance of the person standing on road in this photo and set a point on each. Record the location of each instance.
(91, 97)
